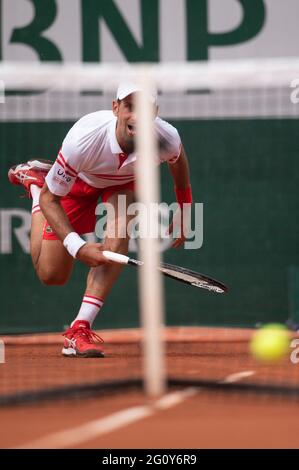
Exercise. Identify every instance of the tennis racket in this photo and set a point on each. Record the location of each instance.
(175, 272)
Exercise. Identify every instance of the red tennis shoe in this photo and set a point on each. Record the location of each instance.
(80, 341)
(32, 172)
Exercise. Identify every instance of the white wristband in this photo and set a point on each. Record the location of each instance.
(73, 242)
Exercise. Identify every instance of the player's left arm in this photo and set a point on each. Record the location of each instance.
(181, 177)
(180, 170)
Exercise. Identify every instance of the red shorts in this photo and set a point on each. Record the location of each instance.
(80, 205)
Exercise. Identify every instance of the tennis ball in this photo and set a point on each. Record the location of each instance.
(270, 343)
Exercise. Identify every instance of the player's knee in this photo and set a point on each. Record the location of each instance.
(49, 278)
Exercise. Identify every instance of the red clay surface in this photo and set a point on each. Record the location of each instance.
(207, 420)
(204, 421)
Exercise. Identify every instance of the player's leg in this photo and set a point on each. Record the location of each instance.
(79, 339)
(51, 261)
(54, 265)
(101, 279)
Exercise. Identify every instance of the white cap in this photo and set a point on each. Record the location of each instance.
(126, 88)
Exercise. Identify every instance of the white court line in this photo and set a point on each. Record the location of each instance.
(99, 427)
(175, 398)
(232, 378)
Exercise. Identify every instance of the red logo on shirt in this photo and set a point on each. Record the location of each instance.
(122, 158)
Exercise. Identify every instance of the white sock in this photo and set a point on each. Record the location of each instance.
(35, 193)
(90, 307)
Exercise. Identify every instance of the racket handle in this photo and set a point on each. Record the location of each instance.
(116, 257)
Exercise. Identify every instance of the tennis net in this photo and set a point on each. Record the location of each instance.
(239, 125)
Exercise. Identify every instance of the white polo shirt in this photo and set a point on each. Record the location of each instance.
(91, 152)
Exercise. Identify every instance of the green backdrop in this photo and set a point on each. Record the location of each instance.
(246, 174)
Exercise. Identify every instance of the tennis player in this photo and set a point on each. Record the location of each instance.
(96, 160)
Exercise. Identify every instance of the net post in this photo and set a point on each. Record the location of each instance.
(150, 280)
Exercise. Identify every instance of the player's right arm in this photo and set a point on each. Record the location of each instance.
(59, 182)
(89, 253)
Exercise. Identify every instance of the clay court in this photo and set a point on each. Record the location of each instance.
(218, 396)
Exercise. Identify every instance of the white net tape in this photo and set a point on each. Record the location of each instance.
(187, 90)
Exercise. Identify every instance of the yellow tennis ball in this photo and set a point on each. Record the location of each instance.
(270, 343)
